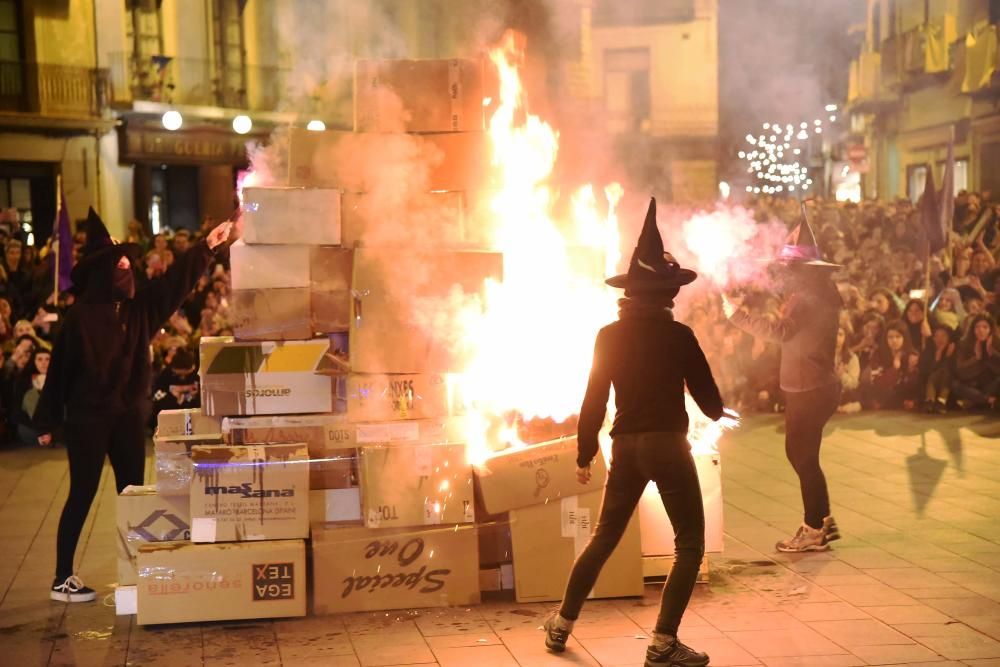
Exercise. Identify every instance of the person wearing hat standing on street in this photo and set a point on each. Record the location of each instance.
(99, 376)
(807, 332)
(649, 358)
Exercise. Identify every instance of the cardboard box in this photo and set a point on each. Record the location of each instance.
(416, 485)
(291, 216)
(270, 377)
(268, 266)
(172, 459)
(498, 578)
(186, 422)
(359, 569)
(658, 533)
(332, 455)
(401, 396)
(446, 162)
(272, 314)
(418, 95)
(437, 219)
(548, 538)
(144, 517)
(335, 506)
(535, 475)
(330, 272)
(249, 493)
(401, 300)
(494, 542)
(181, 582)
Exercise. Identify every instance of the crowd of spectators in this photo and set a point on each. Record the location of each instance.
(910, 338)
(30, 319)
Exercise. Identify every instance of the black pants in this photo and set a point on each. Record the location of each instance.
(664, 458)
(806, 413)
(122, 438)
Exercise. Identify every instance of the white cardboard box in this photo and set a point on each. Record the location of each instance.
(291, 216)
(269, 266)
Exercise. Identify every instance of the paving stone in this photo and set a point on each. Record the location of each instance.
(859, 632)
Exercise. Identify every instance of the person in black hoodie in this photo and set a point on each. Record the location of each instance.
(807, 331)
(648, 358)
(99, 376)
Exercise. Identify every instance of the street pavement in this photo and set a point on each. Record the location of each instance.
(914, 581)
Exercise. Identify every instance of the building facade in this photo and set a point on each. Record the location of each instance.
(926, 73)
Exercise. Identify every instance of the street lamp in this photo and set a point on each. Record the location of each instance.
(242, 124)
(172, 120)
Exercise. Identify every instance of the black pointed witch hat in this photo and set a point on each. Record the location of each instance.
(651, 269)
(800, 247)
(100, 249)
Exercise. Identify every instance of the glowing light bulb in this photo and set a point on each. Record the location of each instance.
(242, 124)
(316, 126)
(172, 120)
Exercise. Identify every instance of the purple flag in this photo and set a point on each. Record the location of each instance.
(64, 235)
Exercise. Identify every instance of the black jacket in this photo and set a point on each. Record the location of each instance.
(648, 358)
(100, 362)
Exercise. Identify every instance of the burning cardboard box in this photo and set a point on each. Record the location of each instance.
(272, 314)
(143, 517)
(172, 461)
(658, 533)
(403, 303)
(187, 422)
(400, 396)
(269, 266)
(359, 569)
(181, 582)
(548, 538)
(290, 216)
(330, 288)
(355, 162)
(418, 95)
(250, 493)
(437, 219)
(535, 475)
(416, 485)
(289, 377)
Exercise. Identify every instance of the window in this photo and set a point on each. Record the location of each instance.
(230, 56)
(626, 89)
(144, 41)
(916, 180)
(994, 11)
(11, 72)
(961, 175)
(643, 12)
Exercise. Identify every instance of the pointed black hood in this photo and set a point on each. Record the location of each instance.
(100, 254)
(651, 269)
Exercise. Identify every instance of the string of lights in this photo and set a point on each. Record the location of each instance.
(775, 157)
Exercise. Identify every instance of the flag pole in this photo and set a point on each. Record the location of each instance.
(55, 238)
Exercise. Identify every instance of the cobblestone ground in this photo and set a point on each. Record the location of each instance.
(915, 581)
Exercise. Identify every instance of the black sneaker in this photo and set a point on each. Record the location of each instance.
(72, 590)
(555, 638)
(830, 530)
(674, 654)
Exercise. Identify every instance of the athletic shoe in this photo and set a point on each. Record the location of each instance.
(674, 654)
(830, 530)
(71, 590)
(806, 538)
(555, 636)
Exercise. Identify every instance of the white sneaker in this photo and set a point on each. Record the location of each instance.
(806, 538)
(72, 590)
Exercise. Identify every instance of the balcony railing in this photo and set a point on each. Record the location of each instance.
(55, 90)
(197, 82)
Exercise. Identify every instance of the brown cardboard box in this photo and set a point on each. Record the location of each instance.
(359, 569)
(401, 396)
(270, 377)
(534, 475)
(418, 95)
(330, 288)
(415, 485)
(272, 314)
(250, 493)
(186, 422)
(494, 542)
(496, 578)
(144, 517)
(450, 161)
(181, 582)
(172, 458)
(548, 538)
(291, 216)
(436, 218)
(400, 298)
(269, 266)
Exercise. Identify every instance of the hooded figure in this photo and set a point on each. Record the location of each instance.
(99, 376)
(807, 333)
(649, 359)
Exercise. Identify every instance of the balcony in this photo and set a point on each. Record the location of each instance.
(53, 90)
(918, 56)
(980, 63)
(195, 82)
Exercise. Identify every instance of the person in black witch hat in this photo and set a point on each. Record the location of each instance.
(807, 332)
(99, 376)
(648, 358)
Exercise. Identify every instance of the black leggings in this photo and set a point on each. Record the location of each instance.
(122, 438)
(806, 413)
(664, 458)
